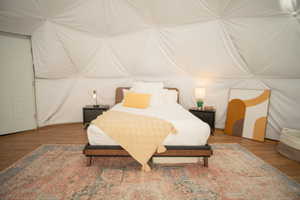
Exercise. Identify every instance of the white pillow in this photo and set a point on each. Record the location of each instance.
(170, 96)
(147, 86)
(156, 98)
(153, 88)
(124, 91)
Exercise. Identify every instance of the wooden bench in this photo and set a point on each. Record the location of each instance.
(204, 151)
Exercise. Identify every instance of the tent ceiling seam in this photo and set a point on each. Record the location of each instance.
(238, 58)
(66, 51)
(100, 35)
(125, 69)
(93, 55)
(203, 5)
(165, 48)
(22, 14)
(39, 7)
(257, 16)
(119, 64)
(242, 5)
(161, 46)
(182, 25)
(144, 18)
(71, 7)
(226, 6)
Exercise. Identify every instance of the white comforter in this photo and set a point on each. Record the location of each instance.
(190, 129)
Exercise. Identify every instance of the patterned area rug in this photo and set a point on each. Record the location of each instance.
(58, 172)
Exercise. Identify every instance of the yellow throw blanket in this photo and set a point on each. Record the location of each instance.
(141, 136)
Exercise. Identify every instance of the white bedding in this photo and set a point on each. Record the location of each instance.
(190, 129)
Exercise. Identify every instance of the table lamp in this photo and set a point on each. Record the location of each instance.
(200, 95)
(95, 98)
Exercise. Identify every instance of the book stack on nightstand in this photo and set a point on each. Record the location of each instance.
(206, 115)
(91, 112)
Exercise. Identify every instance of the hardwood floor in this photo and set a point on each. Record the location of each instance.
(15, 146)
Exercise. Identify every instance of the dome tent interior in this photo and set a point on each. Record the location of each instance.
(79, 46)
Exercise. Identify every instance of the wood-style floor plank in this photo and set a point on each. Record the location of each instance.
(15, 146)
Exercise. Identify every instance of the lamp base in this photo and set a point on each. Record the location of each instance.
(96, 106)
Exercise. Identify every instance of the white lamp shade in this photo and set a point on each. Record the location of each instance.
(199, 93)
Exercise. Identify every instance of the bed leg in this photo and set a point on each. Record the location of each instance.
(150, 162)
(89, 161)
(205, 159)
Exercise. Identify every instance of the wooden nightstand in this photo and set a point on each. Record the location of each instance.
(91, 112)
(207, 116)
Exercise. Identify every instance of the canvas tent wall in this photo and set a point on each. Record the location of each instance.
(83, 45)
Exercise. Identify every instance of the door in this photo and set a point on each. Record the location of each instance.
(17, 101)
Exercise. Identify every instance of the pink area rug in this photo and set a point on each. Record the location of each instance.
(58, 172)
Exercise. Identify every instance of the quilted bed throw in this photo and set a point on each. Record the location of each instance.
(141, 136)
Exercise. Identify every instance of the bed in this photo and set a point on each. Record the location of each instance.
(190, 140)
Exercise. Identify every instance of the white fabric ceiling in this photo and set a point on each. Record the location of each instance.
(81, 45)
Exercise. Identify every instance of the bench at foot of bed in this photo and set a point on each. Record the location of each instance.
(204, 151)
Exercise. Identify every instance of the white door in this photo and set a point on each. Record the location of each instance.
(17, 102)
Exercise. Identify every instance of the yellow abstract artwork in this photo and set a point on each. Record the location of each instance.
(247, 113)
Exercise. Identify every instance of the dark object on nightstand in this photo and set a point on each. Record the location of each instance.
(91, 112)
(207, 116)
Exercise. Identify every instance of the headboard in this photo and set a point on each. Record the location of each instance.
(119, 94)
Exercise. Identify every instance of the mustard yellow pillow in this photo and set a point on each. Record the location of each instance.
(136, 100)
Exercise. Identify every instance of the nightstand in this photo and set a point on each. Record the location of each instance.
(207, 116)
(91, 112)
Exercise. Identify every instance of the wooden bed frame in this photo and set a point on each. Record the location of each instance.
(91, 151)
